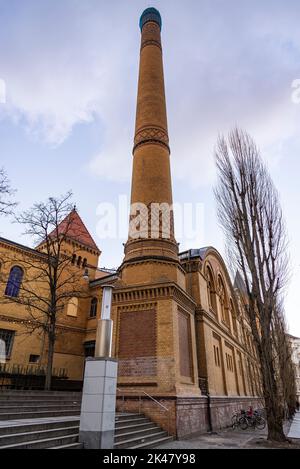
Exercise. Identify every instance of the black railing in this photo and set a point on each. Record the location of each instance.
(14, 376)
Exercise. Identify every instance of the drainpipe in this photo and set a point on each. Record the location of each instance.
(210, 427)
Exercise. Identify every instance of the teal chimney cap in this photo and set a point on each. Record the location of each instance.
(150, 14)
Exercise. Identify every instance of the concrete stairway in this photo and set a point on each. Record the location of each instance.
(15, 405)
(39, 419)
(62, 434)
(134, 431)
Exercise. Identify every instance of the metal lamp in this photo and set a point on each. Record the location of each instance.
(105, 325)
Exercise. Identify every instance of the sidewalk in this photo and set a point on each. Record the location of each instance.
(222, 439)
(295, 427)
(234, 439)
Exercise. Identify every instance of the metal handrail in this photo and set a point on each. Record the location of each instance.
(151, 397)
(140, 403)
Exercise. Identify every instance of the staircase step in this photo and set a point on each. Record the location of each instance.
(153, 443)
(140, 440)
(4, 409)
(39, 414)
(135, 433)
(19, 437)
(123, 422)
(44, 443)
(31, 426)
(70, 446)
(21, 401)
(128, 428)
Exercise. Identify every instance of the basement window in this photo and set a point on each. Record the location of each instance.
(34, 358)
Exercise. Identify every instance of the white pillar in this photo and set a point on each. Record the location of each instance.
(98, 407)
(97, 418)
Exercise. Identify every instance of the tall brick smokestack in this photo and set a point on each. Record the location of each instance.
(151, 176)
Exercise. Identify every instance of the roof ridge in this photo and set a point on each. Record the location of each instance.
(76, 230)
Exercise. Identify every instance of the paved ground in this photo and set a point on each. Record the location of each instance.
(295, 427)
(247, 439)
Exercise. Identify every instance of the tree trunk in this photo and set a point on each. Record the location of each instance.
(272, 402)
(51, 342)
(275, 423)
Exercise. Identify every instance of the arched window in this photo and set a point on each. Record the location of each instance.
(14, 281)
(93, 309)
(73, 259)
(223, 302)
(211, 294)
(84, 263)
(79, 261)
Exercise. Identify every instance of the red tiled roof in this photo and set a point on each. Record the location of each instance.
(73, 227)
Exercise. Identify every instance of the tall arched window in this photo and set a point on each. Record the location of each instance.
(223, 302)
(93, 309)
(14, 281)
(211, 292)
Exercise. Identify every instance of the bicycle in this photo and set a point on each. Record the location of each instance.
(235, 419)
(255, 421)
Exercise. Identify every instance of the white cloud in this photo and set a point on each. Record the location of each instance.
(225, 65)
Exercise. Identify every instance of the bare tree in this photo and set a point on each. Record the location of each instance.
(6, 192)
(250, 214)
(50, 279)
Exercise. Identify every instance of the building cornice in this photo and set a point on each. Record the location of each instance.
(152, 292)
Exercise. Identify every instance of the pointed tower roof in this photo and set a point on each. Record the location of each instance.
(239, 283)
(74, 228)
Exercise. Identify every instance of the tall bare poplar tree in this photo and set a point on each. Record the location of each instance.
(250, 214)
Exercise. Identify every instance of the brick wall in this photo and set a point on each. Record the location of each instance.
(188, 416)
(137, 343)
(184, 344)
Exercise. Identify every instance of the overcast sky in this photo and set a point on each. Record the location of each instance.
(70, 69)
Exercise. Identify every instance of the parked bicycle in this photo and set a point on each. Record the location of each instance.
(254, 420)
(245, 419)
(236, 418)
